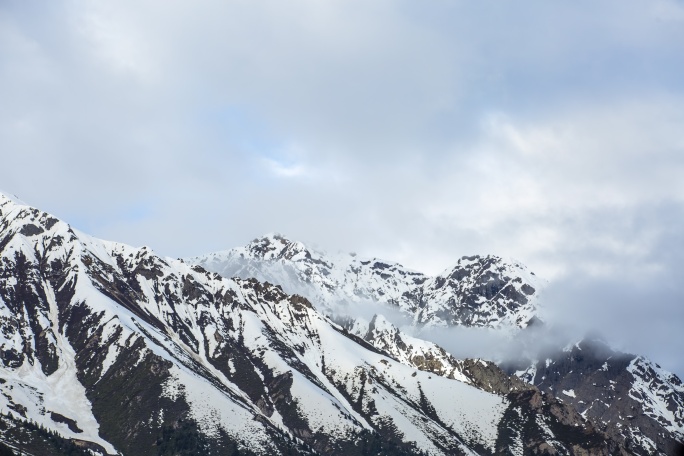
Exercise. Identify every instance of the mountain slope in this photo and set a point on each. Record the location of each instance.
(131, 353)
(632, 399)
(477, 291)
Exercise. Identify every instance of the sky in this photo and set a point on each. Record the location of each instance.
(419, 132)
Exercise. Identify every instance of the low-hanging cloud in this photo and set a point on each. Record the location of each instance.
(502, 345)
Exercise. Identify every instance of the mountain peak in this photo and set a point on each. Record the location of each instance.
(275, 246)
(477, 291)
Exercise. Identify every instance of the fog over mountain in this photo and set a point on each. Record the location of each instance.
(417, 133)
(485, 307)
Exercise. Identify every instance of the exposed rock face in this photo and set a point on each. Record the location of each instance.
(524, 431)
(478, 291)
(489, 377)
(630, 398)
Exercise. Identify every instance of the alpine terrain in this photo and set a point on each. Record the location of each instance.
(111, 349)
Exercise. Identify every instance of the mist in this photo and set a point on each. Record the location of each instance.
(570, 311)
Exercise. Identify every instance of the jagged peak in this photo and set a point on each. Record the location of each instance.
(33, 229)
(478, 265)
(486, 261)
(274, 239)
(473, 283)
(275, 246)
(191, 310)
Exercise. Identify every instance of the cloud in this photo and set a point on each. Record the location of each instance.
(549, 133)
(630, 295)
(669, 10)
(501, 346)
(284, 170)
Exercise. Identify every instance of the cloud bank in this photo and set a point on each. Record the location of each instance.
(419, 133)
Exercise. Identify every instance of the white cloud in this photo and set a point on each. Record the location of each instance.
(285, 170)
(542, 131)
(668, 10)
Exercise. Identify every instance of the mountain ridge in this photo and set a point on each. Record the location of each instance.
(163, 356)
(428, 356)
(477, 291)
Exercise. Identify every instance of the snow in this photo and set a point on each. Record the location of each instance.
(643, 441)
(656, 394)
(60, 392)
(69, 394)
(471, 412)
(544, 427)
(214, 411)
(343, 282)
(113, 348)
(528, 375)
(210, 333)
(468, 411)
(569, 393)
(7, 198)
(393, 390)
(307, 397)
(384, 335)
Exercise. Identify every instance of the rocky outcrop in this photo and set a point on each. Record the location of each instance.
(628, 397)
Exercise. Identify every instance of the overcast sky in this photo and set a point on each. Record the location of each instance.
(549, 132)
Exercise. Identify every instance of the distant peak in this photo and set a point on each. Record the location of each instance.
(274, 246)
(479, 259)
(271, 238)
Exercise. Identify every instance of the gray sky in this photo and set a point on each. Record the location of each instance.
(419, 132)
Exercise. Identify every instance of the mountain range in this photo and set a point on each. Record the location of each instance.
(275, 348)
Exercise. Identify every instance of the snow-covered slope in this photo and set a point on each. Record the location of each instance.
(127, 352)
(430, 357)
(477, 291)
(633, 399)
(359, 293)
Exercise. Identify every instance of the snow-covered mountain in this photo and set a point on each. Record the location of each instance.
(357, 293)
(634, 400)
(121, 351)
(477, 291)
(116, 350)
